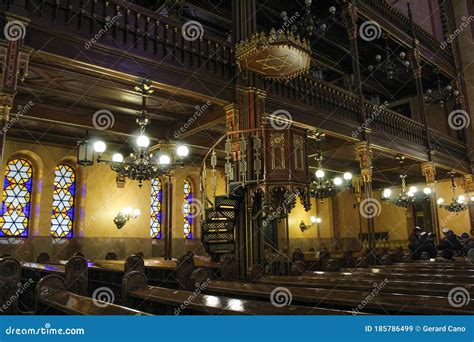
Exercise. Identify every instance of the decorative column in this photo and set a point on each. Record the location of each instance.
(416, 62)
(350, 19)
(168, 217)
(13, 63)
(469, 190)
(368, 207)
(428, 170)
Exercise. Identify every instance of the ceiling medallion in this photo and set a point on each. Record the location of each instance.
(277, 55)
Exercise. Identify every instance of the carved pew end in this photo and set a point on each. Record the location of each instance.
(47, 286)
(10, 277)
(132, 281)
(184, 271)
(134, 263)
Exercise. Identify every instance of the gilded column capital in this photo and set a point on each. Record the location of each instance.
(428, 170)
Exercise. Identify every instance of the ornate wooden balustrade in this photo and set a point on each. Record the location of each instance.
(318, 103)
(399, 25)
(81, 30)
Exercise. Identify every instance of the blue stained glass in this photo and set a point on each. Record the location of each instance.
(16, 205)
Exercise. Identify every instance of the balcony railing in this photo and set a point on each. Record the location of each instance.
(327, 100)
(400, 21)
(131, 29)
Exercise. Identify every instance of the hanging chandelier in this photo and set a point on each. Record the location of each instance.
(392, 64)
(140, 164)
(458, 204)
(308, 25)
(443, 94)
(322, 187)
(406, 197)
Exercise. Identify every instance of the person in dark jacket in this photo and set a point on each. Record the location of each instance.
(427, 245)
(450, 241)
(414, 242)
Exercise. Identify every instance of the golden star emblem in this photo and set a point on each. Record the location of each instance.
(274, 63)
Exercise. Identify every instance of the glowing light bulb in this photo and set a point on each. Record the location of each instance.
(164, 159)
(127, 210)
(313, 219)
(413, 189)
(440, 201)
(117, 158)
(410, 194)
(347, 176)
(337, 181)
(318, 220)
(427, 191)
(182, 151)
(136, 212)
(99, 146)
(143, 141)
(387, 193)
(461, 199)
(320, 173)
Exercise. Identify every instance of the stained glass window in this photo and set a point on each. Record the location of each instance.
(156, 215)
(187, 210)
(16, 206)
(62, 216)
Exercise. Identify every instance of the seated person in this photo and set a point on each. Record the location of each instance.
(467, 243)
(427, 245)
(450, 241)
(413, 243)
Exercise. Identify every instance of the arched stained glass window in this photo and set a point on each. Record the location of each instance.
(187, 210)
(62, 216)
(156, 214)
(16, 206)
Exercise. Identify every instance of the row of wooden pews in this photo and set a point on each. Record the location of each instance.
(68, 288)
(418, 288)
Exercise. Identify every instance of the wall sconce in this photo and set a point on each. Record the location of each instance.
(314, 220)
(125, 215)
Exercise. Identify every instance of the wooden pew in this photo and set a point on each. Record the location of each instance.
(10, 276)
(420, 270)
(382, 303)
(53, 297)
(360, 283)
(138, 294)
(381, 272)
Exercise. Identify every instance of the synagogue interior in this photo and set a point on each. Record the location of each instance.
(243, 157)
